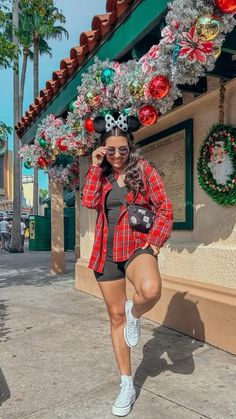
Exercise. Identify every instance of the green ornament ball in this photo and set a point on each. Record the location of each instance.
(107, 75)
(104, 112)
(27, 164)
(126, 111)
(72, 106)
(42, 142)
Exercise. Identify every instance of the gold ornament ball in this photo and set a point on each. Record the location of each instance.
(55, 152)
(76, 126)
(79, 152)
(52, 158)
(216, 52)
(136, 89)
(88, 97)
(207, 27)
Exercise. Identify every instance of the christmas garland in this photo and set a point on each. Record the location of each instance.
(190, 45)
(217, 164)
(53, 139)
(65, 174)
(56, 151)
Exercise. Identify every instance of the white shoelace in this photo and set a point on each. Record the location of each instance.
(133, 328)
(124, 395)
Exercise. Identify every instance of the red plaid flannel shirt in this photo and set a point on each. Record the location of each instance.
(126, 240)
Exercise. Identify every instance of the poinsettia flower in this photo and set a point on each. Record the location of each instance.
(56, 123)
(117, 68)
(195, 49)
(175, 24)
(167, 35)
(76, 103)
(116, 65)
(116, 91)
(152, 53)
(103, 89)
(147, 68)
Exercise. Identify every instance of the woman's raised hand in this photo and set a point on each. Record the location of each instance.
(98, 156)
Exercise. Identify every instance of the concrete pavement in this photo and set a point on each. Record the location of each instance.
(56, 359)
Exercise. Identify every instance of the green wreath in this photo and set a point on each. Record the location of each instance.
(217, 164)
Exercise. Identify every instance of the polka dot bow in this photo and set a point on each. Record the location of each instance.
(121, 122)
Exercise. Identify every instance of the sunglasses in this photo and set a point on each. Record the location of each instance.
(122, 150)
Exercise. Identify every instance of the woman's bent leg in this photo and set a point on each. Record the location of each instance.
(114, 294)
(144, 274)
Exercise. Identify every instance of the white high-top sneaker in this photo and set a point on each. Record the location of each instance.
(126, 398)
(132, 329)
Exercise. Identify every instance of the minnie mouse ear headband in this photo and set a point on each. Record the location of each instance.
(124, 122)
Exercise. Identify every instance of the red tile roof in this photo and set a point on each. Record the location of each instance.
(100, 26)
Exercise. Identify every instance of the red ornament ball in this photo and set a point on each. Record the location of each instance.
(147, 115)
(61, 144)
(42, 163)
(159, 87)
(88, 125)
(226, 6)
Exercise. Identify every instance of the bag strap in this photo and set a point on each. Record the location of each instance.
(112, 180)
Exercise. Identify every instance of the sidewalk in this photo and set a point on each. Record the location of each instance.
(56, 359)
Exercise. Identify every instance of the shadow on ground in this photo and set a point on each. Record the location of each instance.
(4, 389)
(169, 350)
(166, 351)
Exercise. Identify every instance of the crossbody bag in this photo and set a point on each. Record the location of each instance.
(140, 218)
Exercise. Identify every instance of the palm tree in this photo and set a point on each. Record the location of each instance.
(16, 244)
(41, 18)
(25, 44)
(7, 48)
(40, 22)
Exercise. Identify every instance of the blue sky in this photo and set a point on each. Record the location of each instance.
(79, 14)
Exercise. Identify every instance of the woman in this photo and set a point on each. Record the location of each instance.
(119, 176)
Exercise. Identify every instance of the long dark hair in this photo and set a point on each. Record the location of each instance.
(133, 178)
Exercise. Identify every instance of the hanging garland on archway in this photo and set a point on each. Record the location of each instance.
(189, 46)
(65, 173)
(217, 164)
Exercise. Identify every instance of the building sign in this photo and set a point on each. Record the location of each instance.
(171, 151)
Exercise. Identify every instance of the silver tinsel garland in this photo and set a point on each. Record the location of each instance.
(163, 59)
(180, 18)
